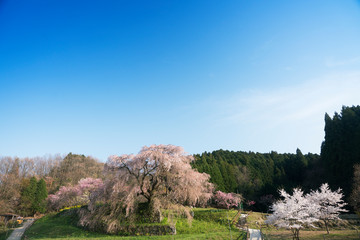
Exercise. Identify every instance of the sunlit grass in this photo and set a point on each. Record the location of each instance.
(207, 224)
(5, 233)
(335, 234)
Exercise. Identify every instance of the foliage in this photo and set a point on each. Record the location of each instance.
(293, 212)
(73, 168)
(33, 196)
(10, 184)
(79, 194)
(340, 151)
(330, 203)
(27, 201)
(226, 200)
(257, 174)
(15, 175)
(40, 197)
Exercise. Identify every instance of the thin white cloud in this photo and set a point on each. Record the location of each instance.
(299, 102)
(285, 118)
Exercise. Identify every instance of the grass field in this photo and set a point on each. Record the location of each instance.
(207, 224)
(307, 235)
(5, 233)
(256, 220)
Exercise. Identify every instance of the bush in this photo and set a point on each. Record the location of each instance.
(226, 200)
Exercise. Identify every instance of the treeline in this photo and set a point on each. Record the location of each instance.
(22, 180)
(258, 175)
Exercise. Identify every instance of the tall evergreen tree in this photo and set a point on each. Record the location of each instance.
(28, 197)
(340, 151)
(39, 204)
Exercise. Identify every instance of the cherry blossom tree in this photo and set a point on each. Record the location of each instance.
(162, 171)
(293, 212)
(79, 194)
(159, 176)
(226, 200)
(330, 203)
(250, 203)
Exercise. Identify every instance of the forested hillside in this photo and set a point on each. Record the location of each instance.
(255, 175)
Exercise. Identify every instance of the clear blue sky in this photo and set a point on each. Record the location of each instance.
(107, 77)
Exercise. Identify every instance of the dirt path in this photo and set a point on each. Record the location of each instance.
(255, 234)
(17, 233)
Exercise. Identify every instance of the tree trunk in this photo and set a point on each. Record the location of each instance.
(295, 234)
(326, 226)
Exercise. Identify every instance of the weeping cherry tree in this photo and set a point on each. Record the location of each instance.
(158, 177)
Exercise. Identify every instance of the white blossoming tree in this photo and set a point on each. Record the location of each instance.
(293, 212)
(330, 203)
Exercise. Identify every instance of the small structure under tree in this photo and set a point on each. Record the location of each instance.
(6, 217)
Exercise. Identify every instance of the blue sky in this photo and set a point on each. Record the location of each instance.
(106, 77)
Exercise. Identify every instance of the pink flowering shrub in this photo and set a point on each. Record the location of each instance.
(226, 200)
(250, 203)
(79, 194)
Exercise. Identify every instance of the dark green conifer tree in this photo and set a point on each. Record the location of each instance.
(28, 197)
(39, 204)
(340, 151)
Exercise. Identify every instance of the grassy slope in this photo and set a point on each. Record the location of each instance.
(207, 224)
(5, 233)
